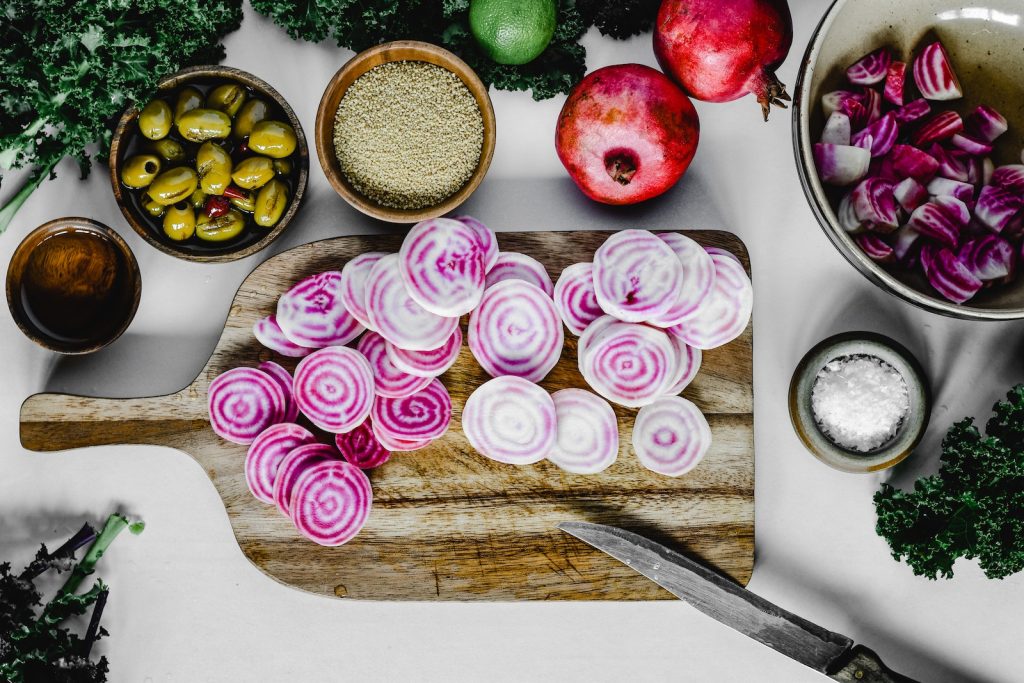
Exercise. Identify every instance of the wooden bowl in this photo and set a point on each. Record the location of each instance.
(397, 51)
(984, 42)
(79, 284)
(127, 129)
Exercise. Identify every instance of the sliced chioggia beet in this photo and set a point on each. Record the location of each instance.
(948, 275)
(882, 135)
(587, 432)
(985, 123)
(291, 468)
(671, 436)
(388, 380)
(873, 202)
(486, 237)
(361, 447)
(910, 162)
(934, 74)
(944, 187)
(331, 502)
(511, 420)
(988, 257)
(396, 316)
(266, 453)
(841, 164)
(848, 219)
(712, 251)
(575, 299)
(903, 241)
(424, 415)
(912, 111)
(516, 331)
(688, 360)
(442, 265)
(334, 388)
(872, 100)
(953, 164)
(429, 363)
(268, 332)
(398, 445)
(941, 126)
(1011, 177)
(629, 364)
(895, 82)
(725, 313)
(243, 402)
(910, 194)
(637, 276)
(512, 265)
(871, 68)
(284, 380)
(833, 101)
(875, 248)
(997, 205)
(837, 130)
(593, 330)
(312, 313)
(698, 279)
(941, 219)
(353, 284)
(968, 144)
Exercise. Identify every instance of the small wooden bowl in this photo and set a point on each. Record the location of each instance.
(859, 344)
(120, 304)
(127, 128)
(398, 51)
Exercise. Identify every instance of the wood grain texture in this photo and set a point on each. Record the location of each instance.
(447, 523)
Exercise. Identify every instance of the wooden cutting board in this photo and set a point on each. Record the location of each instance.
(447, 523)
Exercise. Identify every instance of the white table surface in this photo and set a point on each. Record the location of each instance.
(186, 605)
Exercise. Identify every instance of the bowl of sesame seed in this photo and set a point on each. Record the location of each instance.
(405, 131)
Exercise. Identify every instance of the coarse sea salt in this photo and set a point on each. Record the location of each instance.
(859, 402)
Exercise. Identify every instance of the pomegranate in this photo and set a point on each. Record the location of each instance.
(626, 133)
(719, 50)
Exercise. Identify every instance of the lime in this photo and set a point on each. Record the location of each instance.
(513, 31)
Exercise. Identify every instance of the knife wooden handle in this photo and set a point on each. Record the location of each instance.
(863, 666)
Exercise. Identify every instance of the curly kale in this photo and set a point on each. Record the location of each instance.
(974, 506)
(619, 19)
(71, 66)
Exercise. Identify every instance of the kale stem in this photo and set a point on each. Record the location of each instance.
(94, 623)
(83, 536)
(115, 524)
(8, 210)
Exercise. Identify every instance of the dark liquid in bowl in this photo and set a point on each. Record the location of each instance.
(75, 288)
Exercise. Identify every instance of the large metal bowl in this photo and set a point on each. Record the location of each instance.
(985, 40)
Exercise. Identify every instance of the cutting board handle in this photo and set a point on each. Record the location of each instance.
(55, 422)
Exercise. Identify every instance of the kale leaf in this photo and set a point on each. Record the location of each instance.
(974, 506)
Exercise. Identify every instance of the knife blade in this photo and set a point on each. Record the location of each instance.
(830, 653)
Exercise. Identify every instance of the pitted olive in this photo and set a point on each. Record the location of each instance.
(140, 170)
(251, 113)
(173, 185)
(180, 221)
(270, 203)
(200, 125)
(155, 120)
(221, 228)
(253, 172)
(227, 98)
(273, 138)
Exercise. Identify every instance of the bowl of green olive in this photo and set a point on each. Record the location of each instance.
(212, 168)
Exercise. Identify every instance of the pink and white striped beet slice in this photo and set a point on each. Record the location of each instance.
(398, 445)
(689, 360)
(575, 299)
(511, 265)
(423, 415)
(331, 502)
(516, 331)
(511, 420)
(243, 402)
(388, 380)
(283, 378)
(587, 440)
(353, 284)
(396, 315)
(430, 363)
(593, 330)
(442, 266)
(312, 314)
(266, 453)
(637, 277)
(723, 252)
(486, 237)
(362, 448)
(629, 364)
(334, 388)
(698, 278)
(268, 332)
(725, 312)
(671, 436)
(291, 468)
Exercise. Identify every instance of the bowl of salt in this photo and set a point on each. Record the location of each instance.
(859, 402)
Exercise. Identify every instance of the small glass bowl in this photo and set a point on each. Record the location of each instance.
(859, 344)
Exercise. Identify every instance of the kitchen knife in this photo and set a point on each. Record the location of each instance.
(832, 654)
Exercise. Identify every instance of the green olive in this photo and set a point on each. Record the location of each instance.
(270, 203)
(155, 120)
(251, 113)
(198, 199)
(188, 99)
(200, 125)
(221, 228)
(152, 208)
(173, 185)
(273, 138)
(180, 222)
(170, 150)
(214, 166)
(253, 172)
(283, 166)
(227, 98)
(246, 203)
(140, 170)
